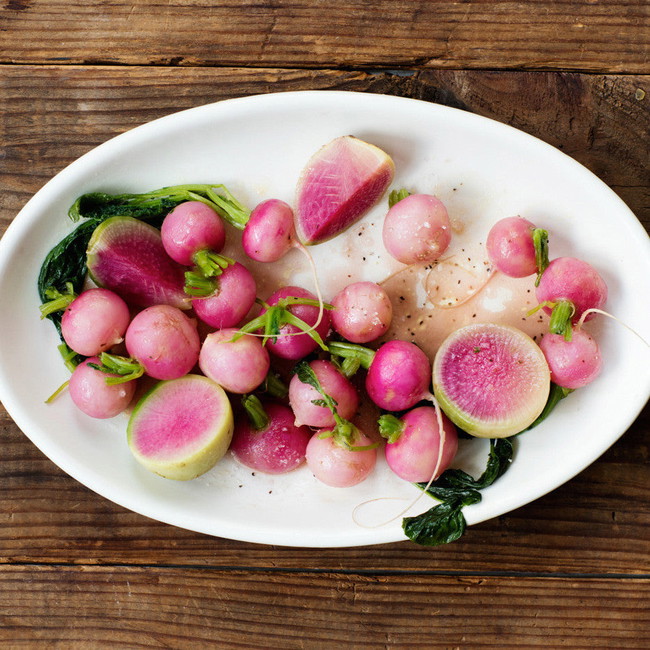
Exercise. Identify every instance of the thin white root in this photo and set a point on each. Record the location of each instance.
(593, 310)
(319, 295)
(433, 476)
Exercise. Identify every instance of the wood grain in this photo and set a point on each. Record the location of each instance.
(587, 36)
(152, 607)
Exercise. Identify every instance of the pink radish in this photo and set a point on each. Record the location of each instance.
(338, 465)
(127, 256)
(303, 395)
(490, 380)
(269, 232)
(568, 287)
(517, 248)
(95, 321)
(573, 363)
(231, 300)
(192, 227)
(92, 395)
(240, 366)
(362, 312)
(417, 229)
(414, 441)
(338, 185)
(294, 323)
(267, 440)
(181, 428)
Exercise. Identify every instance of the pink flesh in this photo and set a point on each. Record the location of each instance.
(170, 426)
(132, 262)
(486, 375)
(341, 182)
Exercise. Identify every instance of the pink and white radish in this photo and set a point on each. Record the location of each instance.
(575, 363)
(517, 248)
(362, 312)
(413, 444)
(95, 321)
(269, 232)
(417, 229)
(339, 464)
(294, 323)
(181, 428)
(306, 401)
(239, 366)
(267, 440)
(338, 185)
(93, 396)
(233, 295)
(568, 288)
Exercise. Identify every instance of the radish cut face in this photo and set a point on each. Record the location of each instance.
(491, 380)
(127, 256)
(339, 184)
(181, 428)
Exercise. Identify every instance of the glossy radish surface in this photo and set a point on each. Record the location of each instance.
(362, 312)
(573, 363)
(276, 445)
(127, 256)
(510, 247)
(92, 395)
(491, 380)
(164, 340)
(338, 387)
(95, 321)
(239, 366)
(269, 231)
(417, 229)
(232, 300)
(190, 227)
(413, 455)
(339, 184)
(181, 427)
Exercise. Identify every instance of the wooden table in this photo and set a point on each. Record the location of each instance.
(569, 570)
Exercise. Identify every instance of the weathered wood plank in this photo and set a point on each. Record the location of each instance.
(598, 523)
(153, 607)
(589, 36)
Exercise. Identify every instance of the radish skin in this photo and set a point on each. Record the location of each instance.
(181, 428)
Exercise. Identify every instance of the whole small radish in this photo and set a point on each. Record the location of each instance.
(92, 395)
(269, 232)
(267, 440)
(575, 363)
(567, 288)
(341, 463)
(161, 341)
(192, 227)
(95, 321)
(413, 448)
(239, 366)
(362, 312)
(516, 248)
(399, 372)
(231, 300)
(417, 229)
(303, 395)
(294, 322)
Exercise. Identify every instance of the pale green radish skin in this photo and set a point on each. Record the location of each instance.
(181, 428)
(491, 380)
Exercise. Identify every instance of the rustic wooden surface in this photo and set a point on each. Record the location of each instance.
(569, 570)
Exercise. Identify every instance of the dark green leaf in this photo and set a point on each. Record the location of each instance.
(442, 524)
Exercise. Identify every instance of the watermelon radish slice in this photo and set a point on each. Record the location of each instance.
(491, 380)
(127, 256)
(181, 427)
(339, 184)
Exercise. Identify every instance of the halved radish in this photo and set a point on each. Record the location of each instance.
(127, 256)
(181, 427)
(491, 380)
(339, 184)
